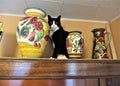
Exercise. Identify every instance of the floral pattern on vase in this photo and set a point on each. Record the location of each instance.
(32, 35)
(75, 45)
(99, 45)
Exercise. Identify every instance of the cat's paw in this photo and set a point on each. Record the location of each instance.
(62, 57)
(52, 58)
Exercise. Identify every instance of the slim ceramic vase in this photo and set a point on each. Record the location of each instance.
(75, 45)
(32, 33)
(99, 45)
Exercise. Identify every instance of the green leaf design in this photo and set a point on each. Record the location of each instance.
(41, 19)
(96, 55)
(102, 47)
(39, 35)
(24, 22)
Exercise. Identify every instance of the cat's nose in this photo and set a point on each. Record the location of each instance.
(53, 26)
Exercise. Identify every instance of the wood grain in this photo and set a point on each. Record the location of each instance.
(57, 69)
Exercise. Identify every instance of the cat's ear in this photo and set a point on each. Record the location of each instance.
(59, 17)
(49, 17)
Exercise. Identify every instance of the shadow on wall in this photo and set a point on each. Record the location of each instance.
(48, 50)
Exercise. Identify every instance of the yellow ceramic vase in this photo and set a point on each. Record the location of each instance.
(32, 33)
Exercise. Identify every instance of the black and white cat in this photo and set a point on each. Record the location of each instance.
(58, 36)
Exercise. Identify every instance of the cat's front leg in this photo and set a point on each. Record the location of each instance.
(66, 53)
(62, 57)
(52, 58)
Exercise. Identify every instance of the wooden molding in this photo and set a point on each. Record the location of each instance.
(11, 68)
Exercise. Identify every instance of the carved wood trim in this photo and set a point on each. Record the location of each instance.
(57, 69)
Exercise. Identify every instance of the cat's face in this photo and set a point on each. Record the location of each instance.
(54, 23)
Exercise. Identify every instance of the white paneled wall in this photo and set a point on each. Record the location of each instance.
(104, 10)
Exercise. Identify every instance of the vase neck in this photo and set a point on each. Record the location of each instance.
(99, 32)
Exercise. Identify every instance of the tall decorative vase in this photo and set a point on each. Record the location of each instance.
(75, 45)
(32, 33)
(99, 45)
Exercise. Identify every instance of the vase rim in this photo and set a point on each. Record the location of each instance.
(34, 11)
(97, 29)
(75, 32)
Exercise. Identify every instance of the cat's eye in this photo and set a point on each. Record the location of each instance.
(51, 22)
(56, 22)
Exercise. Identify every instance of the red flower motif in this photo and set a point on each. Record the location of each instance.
(38, 25)
(46, 38)
(33, 20)
(37, 44)
(81, 42)
(32, 36)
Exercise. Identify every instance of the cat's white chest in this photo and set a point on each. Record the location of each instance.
(51, 33)
(53, 29)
